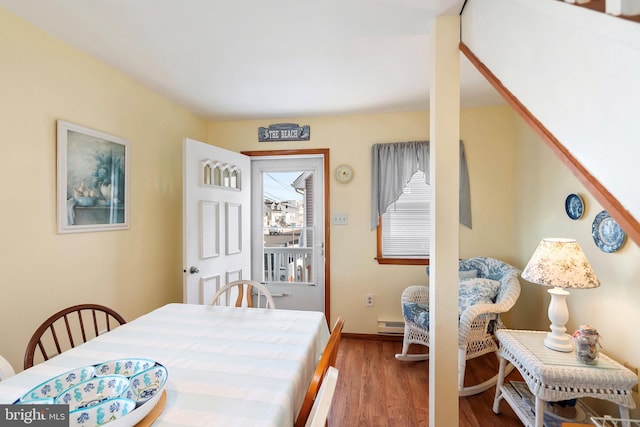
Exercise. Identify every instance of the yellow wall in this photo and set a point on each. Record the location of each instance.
(518, 189)
(487, 133)
(133, 271)
(543, 183)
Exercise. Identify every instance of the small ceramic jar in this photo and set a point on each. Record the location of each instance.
(587, 341)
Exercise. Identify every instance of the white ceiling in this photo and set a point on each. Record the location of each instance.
(246, 59)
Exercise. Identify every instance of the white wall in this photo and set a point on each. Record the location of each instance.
(543, 183)
(575, 70)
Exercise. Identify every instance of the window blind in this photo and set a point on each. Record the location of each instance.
(406, 223)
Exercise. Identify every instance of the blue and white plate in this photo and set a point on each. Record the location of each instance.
(574, 206)
(47, 401)
(94, 391)
(91, 397)
(56, 385)
(126, 367)
(146, 384)
(102, 413)
(606, 232)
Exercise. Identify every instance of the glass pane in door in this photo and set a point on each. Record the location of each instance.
(288, 229)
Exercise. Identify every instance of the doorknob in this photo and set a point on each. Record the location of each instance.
(194, 269)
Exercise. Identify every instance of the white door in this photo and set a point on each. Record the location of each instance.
(216, 219)
(288, 229)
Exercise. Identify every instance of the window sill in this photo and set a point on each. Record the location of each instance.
(403, 261)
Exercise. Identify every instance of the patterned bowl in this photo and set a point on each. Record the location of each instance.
(94, 391)
(56, 385)
(85, 200)
(101, 413)
(126, 367)
(146, 384)
(47, 401)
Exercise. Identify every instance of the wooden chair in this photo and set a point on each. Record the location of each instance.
(68, 328)
(322, 404)
(245, 287)
(6, 370)
(327, 359)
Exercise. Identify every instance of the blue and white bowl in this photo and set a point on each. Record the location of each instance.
(104, 412)
(47, 401)
(146, 384)
(94, 391)
(126, 367)
(56, 385)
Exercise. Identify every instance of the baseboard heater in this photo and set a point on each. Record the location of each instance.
(390, 327)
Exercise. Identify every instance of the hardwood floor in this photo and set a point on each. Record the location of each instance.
(375, 389)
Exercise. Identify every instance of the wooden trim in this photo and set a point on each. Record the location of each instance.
(377, 337)
(393, 261)
(624, 218)
(600, 6)
(403, 261)
(327, 240)
(303, 152)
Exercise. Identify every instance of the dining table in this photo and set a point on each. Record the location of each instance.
(226, 366)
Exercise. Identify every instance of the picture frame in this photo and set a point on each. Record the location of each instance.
(93, 180)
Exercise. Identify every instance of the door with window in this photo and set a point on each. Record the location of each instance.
(216, 219)
(288, 229)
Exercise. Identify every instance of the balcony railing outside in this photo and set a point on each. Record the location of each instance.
(288, 256)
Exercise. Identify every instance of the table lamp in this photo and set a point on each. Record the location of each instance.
(562, 264)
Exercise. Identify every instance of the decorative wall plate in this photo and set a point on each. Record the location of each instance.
(574, 206)
(606, 232)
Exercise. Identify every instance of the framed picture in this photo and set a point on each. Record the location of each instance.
(93, 180)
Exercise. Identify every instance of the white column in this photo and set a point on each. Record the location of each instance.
(444, 179)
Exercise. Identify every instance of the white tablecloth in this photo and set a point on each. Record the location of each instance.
(227, 366)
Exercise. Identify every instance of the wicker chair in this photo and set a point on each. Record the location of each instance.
(478, 322)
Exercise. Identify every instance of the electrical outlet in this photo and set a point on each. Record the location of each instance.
(635, 371)
(339, 219)
(369, 300)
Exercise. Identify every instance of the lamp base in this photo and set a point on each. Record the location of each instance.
(558, 342)
(557, 339)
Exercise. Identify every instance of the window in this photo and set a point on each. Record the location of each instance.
(400, 201)
(404, 228)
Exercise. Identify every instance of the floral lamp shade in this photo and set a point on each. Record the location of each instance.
(560, 263)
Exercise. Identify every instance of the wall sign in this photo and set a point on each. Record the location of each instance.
(284, 132)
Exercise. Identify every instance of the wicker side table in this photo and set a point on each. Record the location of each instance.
(553, 376)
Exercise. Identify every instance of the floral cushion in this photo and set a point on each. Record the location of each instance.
(417, 313)
(468, 274)
(471, 291)
(463, 274)
(476, 291)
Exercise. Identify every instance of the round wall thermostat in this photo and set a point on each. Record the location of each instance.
(344, 173)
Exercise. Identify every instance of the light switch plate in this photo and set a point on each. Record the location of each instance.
(339, 219)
